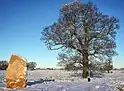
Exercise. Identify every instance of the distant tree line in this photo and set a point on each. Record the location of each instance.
(31, 65)
(4, 65)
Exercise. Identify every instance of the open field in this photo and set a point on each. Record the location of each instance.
(68, 81)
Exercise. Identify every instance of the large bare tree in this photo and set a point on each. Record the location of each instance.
(84, 28)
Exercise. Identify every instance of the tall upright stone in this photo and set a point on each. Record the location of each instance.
(16, 72)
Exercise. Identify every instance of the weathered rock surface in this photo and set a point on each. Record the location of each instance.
(16, 72)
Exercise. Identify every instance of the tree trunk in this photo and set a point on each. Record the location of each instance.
(85, 72)
(85, 50)
(108, 71)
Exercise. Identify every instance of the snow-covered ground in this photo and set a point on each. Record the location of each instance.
(68, 81)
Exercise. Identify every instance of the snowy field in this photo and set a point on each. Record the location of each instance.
(68, 81)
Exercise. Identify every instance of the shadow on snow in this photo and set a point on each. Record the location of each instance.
(38, 82)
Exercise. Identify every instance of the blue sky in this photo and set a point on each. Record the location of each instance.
(21, 23)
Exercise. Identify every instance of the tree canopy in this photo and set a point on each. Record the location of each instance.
(82, 27)
(31, 65)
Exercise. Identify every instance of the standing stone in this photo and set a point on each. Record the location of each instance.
(16, 72)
